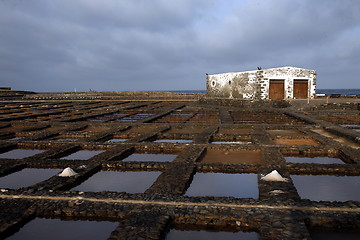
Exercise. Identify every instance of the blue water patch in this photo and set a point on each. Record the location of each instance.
(328, 92)
(209, 235)
(41, 228)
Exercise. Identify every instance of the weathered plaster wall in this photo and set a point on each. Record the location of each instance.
(242, 85)
(255, 84)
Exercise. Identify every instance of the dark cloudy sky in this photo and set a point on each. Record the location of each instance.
(124, 45)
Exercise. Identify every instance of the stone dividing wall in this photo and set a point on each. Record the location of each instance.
(255, 84)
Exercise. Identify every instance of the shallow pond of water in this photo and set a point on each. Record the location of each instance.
(321, 160)
(55, 229)
(207, 235)
(66, 139)
(130, 182)
(15, 138)
(82, 155)
(299, 141)
(225, 185)
(117, 140)
(328, 235)
(20, 153)
(173, 141)
(26, 177)
(235, 157)
(150, 157)
(327, 188)
(233, 142)
(350, 125)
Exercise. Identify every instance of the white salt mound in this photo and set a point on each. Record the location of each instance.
(67, 172)
(274, 176)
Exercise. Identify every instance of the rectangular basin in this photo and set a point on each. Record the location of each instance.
(234, 157)
(150, 157)
(82, 155)
(210, 235)
(173, 141)
(321, 160)
(231, 142)
(114, 140)
(331, 235)
(26, 177)
(224, 185)
(130, 182)
(327, 188)
(56, 229)
(20, 153)
(296, 141)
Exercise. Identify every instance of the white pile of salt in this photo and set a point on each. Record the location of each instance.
(274, 176)
(67, 172)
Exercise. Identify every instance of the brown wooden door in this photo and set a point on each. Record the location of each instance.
(276, 89)
(300, 89)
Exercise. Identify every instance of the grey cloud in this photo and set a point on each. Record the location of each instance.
(163, 45)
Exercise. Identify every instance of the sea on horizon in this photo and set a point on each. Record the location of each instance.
(327, 92)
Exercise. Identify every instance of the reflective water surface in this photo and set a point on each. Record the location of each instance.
(55, 229)
(327, 188)
(82, 155)
(327, 235)
(118, 140)
(236, 142)
(173, 141)
(321, 160)
(27, 177)
(130, 182)
(66, 139)
(151, 157)
(206, 235)
(227, 185)
(20, 153)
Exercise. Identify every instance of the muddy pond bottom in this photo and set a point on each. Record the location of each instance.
(235, 157)
(327, 188)
(130, 182)
(26, 177)
(55, 229)
(224, 185)
(207, 235)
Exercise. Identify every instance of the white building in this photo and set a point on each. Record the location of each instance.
(272, 83)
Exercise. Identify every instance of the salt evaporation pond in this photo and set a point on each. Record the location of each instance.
(328, 235)
(173, 141)
(229, 142)
(207, 235)
(327, 188)
(150, 157)
(321, 160)
(20, 153)
(130, 182)
(55, 229)
(82, 155)
(225, 185)
(27, 177)
(117, 140)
